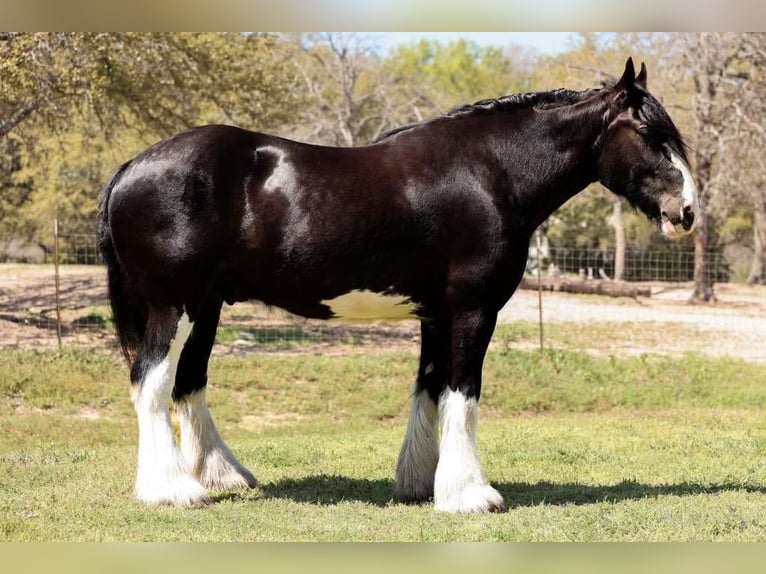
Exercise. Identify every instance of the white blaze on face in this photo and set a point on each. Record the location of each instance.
(689, 191)
(689, 195)
(370, 306)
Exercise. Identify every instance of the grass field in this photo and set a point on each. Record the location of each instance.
(582, 446)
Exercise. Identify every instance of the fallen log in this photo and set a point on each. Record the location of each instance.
(587, 286)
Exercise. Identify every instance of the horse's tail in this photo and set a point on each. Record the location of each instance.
(128, 310)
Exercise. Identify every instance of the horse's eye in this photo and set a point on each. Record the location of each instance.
(643, 130)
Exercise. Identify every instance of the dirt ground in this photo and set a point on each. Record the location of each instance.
(737, 322)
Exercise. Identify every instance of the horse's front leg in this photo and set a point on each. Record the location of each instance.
(459, 484)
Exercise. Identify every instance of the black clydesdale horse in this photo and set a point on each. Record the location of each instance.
(434, 218)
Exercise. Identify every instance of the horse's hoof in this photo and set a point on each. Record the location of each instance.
(471, 500)
(183, 492)
(229, 478)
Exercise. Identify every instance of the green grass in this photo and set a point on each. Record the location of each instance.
(582, 447)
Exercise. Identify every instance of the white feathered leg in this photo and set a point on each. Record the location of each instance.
(205, 452)
(419, 454)
(162, 476)
(459, 484)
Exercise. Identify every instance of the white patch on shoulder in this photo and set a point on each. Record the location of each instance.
(283, 180)
(282, 177)
(689, 191)
(370, 306)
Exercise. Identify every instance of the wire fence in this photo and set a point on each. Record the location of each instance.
(64, 299)
(640, 265)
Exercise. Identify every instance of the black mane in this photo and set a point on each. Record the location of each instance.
(538, 100)
(651, 112)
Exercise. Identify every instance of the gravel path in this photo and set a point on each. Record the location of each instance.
(736, 324)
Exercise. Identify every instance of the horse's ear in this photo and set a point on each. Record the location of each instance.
(628, 76)
(641, 78)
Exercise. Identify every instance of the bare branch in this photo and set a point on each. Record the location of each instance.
(746, 118)
(17, 117)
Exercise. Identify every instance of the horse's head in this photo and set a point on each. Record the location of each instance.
(642, 156)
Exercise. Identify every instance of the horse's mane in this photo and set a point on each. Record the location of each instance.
(650, 111)
(538, 100)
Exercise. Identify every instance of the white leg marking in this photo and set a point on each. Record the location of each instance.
(459, 484)
(420, 451)
(206, 455)
(162, 477)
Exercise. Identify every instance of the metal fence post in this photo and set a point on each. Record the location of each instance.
(56, 267)
(540, 285)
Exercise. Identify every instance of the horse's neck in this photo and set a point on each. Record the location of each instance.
(564, 160)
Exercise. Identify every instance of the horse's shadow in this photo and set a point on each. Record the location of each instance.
(326, 490)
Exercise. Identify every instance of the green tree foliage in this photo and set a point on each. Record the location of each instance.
(73, 106)
(436, 77)
(354, 94)
(164, 81)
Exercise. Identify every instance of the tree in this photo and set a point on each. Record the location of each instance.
(73, 106)
(750, 112)
(356, 94)
(346, 103)
(162, 81)
(437, 77)
(709, 60)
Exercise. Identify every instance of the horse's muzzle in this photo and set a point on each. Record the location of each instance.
(676, 219)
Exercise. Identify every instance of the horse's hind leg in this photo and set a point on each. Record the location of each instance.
(162, 476)
(419, 454)
(204, 451)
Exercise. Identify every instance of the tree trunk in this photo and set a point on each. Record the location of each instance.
(757, 274)
(620, 241)
(703, 274)
(587, 287)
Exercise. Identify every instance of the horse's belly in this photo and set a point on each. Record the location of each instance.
(371, 306)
